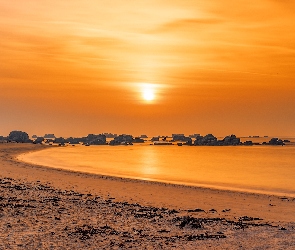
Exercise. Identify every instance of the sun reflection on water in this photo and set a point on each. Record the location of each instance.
(149, 162)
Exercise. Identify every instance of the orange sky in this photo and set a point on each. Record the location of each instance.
(73, 68)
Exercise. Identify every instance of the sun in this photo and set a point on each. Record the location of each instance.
(148, 92)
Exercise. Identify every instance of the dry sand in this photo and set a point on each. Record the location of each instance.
(44, 208)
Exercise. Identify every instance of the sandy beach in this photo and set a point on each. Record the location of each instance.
(44, 208)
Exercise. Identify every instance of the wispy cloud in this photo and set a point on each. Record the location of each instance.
(101, 50)
(193, 24)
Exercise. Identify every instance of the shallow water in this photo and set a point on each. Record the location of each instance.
(262, 169)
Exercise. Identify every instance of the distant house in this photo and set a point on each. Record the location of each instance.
(155, 138)
(49, 136)
(122, 140)
(3, 139)
(177, 135)
(110, 135)
(194, 135)
(138, 140)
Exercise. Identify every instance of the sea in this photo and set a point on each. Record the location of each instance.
(262, 169)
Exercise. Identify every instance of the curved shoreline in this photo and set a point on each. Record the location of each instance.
(147, 192)
(212, 187)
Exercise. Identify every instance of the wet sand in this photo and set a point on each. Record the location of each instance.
(43, 208)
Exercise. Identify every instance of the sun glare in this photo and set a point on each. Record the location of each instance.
(148, 95)
(148, 92)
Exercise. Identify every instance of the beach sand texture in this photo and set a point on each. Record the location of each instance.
(43, 208)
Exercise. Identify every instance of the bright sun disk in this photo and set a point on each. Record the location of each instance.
(148, 94)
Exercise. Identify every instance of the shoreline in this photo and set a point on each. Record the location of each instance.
(279, 192)
(274, 214)
(17, 149)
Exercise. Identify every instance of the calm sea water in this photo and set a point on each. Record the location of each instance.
(262, 169)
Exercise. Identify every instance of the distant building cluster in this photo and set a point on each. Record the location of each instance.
(125, 139)
(16, 137)
(110, 135)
